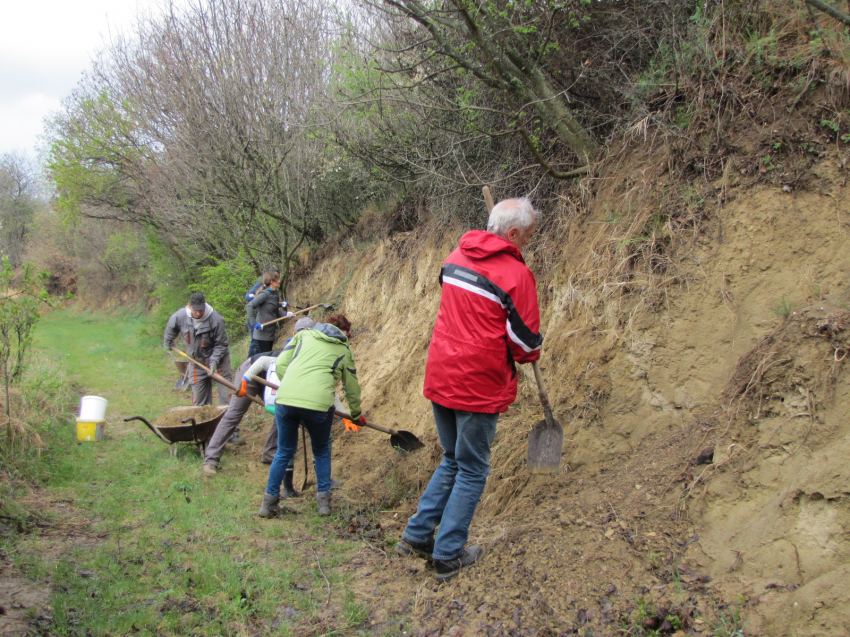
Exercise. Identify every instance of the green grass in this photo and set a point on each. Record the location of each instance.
(149, 547)
(110, 357)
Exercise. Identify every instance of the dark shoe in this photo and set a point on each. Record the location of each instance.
(266, 460)
(448, 569)
(323, 499)
(268, 509)
(409, 548)
(288, 488)
(237, 440)
(335, 484)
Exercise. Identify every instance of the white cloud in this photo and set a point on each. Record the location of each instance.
(21, 121)
(45, 45)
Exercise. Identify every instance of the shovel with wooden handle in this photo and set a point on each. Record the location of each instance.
(546, 438)
(263, 381)
(325, 306)
(182, 383)
(220, 379)
(404, 440)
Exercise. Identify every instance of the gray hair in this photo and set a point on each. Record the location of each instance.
(511, 213)
(305, 323)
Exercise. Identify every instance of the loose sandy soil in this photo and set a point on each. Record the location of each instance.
(703, 389)
(705, 412)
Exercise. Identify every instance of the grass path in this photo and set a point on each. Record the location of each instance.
(148, 546)
(110, 356)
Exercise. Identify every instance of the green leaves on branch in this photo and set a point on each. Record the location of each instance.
(225, 285)
(21, 298)
(95, 156)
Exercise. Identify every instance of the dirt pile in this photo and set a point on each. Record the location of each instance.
(175, 417)
(700, 373)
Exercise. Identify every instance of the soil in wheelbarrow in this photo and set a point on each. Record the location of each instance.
(176, 416)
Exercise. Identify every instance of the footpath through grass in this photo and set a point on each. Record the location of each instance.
(151, 547)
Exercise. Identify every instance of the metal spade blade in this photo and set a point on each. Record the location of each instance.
(546, 438)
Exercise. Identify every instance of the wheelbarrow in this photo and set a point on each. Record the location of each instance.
(189, 431)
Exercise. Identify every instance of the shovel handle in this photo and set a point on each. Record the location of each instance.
(283, 318)
(488, 198)
(218, 378)
(339, 413)
(263, 381)
(541, 392)
(371, 425)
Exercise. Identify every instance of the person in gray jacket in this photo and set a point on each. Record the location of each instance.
(204, 338)
(265, 307)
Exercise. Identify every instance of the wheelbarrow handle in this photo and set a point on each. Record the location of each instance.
(219, 378)
(151, 427)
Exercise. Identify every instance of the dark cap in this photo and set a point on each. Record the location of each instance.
(198, 302)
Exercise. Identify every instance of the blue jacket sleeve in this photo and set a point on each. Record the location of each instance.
(253, 291)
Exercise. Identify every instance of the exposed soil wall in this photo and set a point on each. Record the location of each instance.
(701, 377)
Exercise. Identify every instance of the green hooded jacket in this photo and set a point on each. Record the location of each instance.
(309, 366)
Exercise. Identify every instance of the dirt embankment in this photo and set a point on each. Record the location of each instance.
(700, 372)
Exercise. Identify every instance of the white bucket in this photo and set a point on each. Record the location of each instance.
(93, 408)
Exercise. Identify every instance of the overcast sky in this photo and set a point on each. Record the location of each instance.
(45, 45)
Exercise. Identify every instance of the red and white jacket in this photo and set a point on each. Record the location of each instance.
(488, 320)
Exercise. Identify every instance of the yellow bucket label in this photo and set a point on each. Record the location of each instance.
(89, 431)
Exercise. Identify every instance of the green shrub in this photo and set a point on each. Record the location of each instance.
(225, 285)
(171, 282)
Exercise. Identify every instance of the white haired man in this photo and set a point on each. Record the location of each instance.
(488, 320)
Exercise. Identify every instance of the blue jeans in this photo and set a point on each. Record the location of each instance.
(457, 484)
(318, 425)
(259, 347)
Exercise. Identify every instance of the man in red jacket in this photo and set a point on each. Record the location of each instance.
(488, 321)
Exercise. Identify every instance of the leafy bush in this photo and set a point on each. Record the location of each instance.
(171, 281)
(225, 285)
(21, 297)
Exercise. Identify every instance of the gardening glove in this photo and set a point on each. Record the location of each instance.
(350, 426)
(288, 314)
(257, 326)
(213, 368)
(243, 388)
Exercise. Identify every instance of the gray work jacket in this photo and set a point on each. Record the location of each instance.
(207, 342)
(263, 308)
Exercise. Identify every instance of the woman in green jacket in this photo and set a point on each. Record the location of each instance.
(308, 368)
